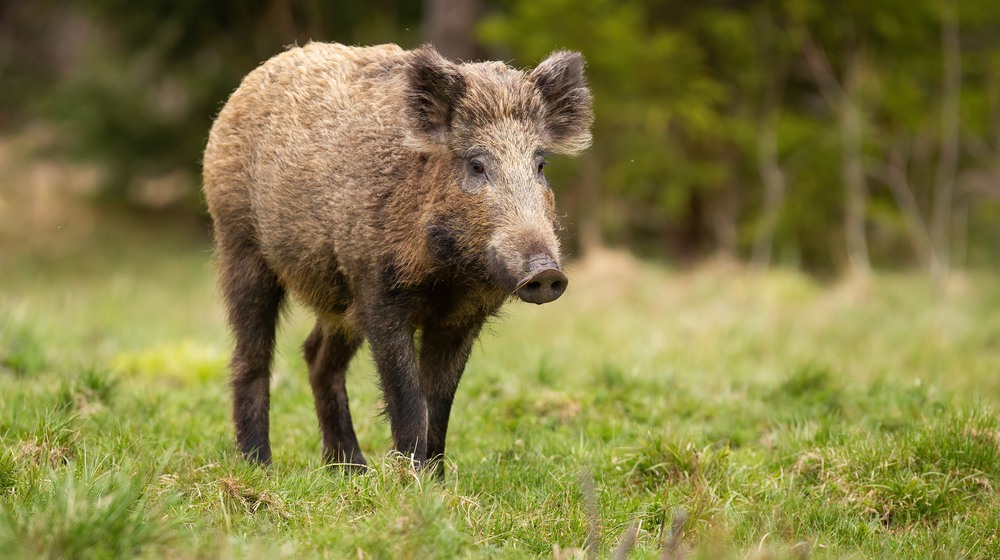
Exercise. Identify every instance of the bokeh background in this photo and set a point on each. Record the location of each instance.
(781, 338)
(831, 137)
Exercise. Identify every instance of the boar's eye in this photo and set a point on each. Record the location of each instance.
(541, 165)
(477, 167)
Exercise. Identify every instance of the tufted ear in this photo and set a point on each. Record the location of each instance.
(568, 114)
(435, 86)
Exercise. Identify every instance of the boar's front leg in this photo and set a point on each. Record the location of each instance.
(444, 352)
(390, 336)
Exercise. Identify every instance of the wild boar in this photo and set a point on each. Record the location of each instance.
(393, 193)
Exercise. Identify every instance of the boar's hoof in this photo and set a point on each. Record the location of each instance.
(543, 287)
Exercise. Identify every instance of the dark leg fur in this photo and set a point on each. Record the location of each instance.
(328, 351)
(391, 340)
(254, 297)
(443, 355)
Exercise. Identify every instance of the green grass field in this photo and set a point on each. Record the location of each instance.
(769, 415)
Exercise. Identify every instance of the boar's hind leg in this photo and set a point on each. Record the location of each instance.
(328, 351)
(443, 354)
(254, 297)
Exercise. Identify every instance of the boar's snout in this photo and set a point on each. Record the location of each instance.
(545, 282)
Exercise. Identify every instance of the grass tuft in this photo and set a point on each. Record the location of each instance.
(87, 391)
(811, 388)
(666, 461)
(240, 497)
(85, 511)
(922, 477)
(51, 439)
(22, 350)
(8, 471)
(97, 385)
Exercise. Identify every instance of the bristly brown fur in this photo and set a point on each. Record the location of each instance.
(436, 86)
(344, 176)
(568, 115)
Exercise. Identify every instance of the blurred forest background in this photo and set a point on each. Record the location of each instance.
(826, 136)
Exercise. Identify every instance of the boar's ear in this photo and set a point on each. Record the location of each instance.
(435, 86)
(559, 78)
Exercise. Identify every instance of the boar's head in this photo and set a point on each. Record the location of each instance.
(486, 130)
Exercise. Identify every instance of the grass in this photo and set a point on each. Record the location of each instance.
(718, 412)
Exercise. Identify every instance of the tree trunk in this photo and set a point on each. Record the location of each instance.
(772, 175)
(450, 25)
(960, 260)
(853, 172)
(843, 95)
(723, 211)
(916, 227)
(773, 178)
(950, 118)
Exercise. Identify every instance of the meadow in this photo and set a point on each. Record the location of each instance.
(714, 412)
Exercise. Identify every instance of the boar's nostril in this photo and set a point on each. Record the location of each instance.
(545, 286)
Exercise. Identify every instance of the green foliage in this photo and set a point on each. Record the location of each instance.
(147, 81)
(653, 99)
(686, 96)
(684, 90)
